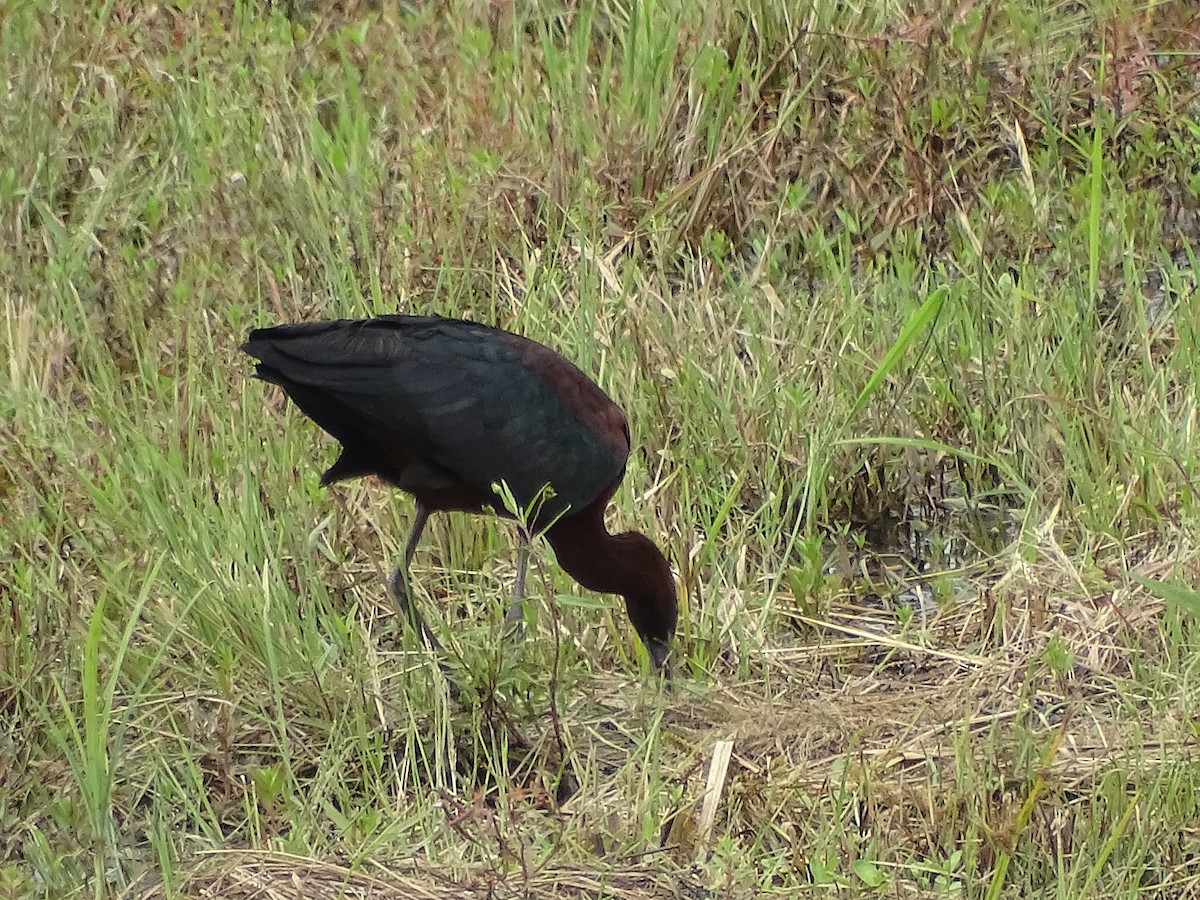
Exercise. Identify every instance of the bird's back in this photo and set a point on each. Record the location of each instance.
(445, 408)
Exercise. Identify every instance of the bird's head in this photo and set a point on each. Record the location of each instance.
(650, 596)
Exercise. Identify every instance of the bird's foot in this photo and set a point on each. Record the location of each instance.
(407, 610)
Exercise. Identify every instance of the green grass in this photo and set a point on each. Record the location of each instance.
(844, 266)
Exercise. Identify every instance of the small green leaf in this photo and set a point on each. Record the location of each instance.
(869, 873)
(1177, 596)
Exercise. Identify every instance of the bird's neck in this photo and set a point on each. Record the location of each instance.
(598, 560)
(628, 564)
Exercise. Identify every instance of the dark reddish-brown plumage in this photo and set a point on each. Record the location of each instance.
(444, 409)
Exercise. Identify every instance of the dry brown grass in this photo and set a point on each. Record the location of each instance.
(735, 274)
(276, 876)
(957, 730)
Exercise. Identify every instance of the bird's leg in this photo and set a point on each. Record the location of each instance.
(514, 619)
(403, 596)
(399, 581)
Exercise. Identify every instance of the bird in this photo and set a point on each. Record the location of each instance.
(447, 410)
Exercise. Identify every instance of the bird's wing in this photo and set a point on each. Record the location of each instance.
(481, 404)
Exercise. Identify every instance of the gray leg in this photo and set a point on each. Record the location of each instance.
(515, 618)
(398, 583)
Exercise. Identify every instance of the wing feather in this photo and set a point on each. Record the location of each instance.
(461, 396)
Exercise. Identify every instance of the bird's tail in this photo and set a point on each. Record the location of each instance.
(337, 355)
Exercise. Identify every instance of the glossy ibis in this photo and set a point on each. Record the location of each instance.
(444, 409)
